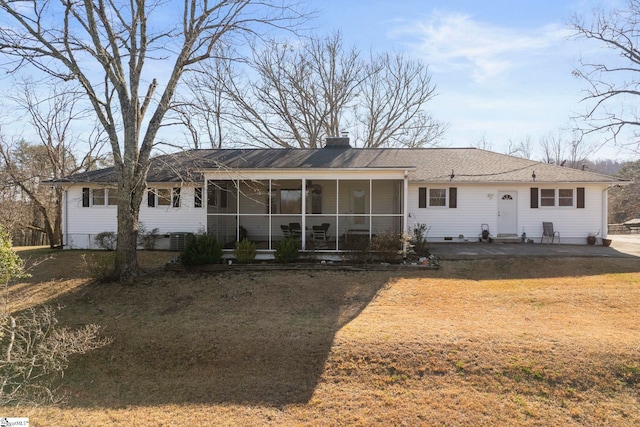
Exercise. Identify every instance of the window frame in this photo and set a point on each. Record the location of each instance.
(109, 197)
(562, 198)
(559, 200)
(163, 197)
(546, 199)
(444, 197)
(450, 200)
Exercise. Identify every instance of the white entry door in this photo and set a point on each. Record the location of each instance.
(507, 212)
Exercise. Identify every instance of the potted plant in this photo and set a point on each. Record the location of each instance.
(591, 238)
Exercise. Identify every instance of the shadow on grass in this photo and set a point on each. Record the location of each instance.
(504, 267)
(253, 338)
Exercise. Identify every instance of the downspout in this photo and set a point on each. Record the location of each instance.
(605, 212)
(65, 218)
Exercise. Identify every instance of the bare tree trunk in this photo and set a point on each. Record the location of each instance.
(116, 37)
(126, 265)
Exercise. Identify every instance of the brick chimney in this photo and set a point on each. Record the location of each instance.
(338, 141)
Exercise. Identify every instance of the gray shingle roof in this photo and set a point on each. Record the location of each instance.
(428, 165)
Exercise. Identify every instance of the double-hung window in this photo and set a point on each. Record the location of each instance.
(438, 197)
(562, 197)
(163, 197)
(558, 197)
(99, 197)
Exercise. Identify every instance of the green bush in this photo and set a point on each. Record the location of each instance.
(202, 249)
(287, 250)
(11, 265)
(245, 251)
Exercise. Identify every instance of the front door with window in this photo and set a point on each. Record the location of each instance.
(507, 213)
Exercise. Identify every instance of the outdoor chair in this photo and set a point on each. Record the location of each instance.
(285, 230)
(548, 232)
(320, 232)
(296, 230)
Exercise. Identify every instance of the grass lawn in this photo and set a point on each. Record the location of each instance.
(503, 342)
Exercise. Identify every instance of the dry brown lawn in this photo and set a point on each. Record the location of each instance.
(503, 342)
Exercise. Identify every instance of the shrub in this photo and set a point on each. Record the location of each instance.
(148, 239)
(202, 249)
(11, 265)
(34, 350)
(419, 241)
(99, 266)
(387, 247)
(106, 240)
(359, 249)
(287, 250)
(245, 251)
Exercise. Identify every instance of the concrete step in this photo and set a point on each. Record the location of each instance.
(507, 238)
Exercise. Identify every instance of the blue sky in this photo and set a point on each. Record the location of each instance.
(502, 68)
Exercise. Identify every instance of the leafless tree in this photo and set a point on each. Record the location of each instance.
(482, 143)
(624, 201)
(392, 97)
(289, 94)
(129, 66)
(560, 150)
(612, 83)
(294, 94)
(52, 115)
(204, 109)
(521, 149)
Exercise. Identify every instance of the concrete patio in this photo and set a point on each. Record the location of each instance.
(622, 246)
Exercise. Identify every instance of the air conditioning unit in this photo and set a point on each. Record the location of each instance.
(178, 241)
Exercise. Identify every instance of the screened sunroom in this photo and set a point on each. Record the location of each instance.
(324, 214)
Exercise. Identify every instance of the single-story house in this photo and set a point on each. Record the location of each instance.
(337, 195)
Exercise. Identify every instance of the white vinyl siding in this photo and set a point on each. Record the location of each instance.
(82, 224)
(478, 204)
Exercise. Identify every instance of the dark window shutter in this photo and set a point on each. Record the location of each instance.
(197, 201)
(151, 198)
(453, 197)
(534, 198)
(422, 197)
(176, 197)
(580, 198)
(85, 197)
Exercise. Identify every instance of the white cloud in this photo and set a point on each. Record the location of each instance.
(457, 42)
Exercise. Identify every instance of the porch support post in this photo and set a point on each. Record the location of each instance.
(405, 208)
(270, 219)
(370, 208)
(304, 213)
(238, 210)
